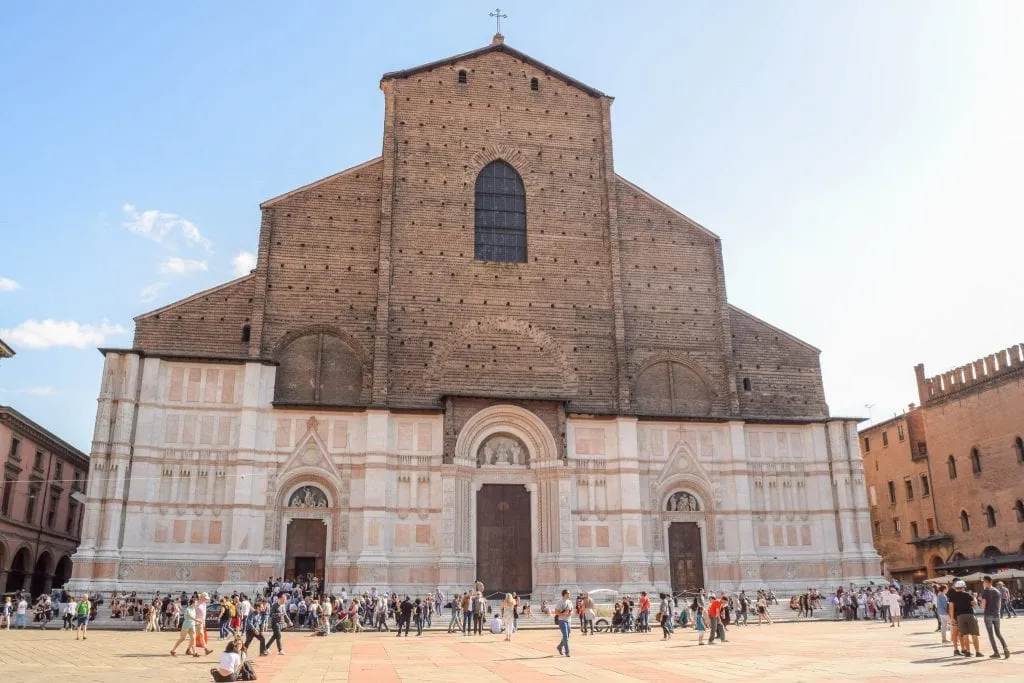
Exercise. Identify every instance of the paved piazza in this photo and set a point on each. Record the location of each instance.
(791, 652)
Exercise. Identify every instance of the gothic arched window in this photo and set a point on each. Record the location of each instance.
(975, 461)
(990, 515)
(965, 521)
(1019, 446)
(1019, 508)
(500, 221)
(951, 464)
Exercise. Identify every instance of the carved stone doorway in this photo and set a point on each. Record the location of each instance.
(504, 561)
(305, 548)
(686, 560)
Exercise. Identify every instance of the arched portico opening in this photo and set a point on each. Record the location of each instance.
(41, 576)
(62, 573)
(17, 572)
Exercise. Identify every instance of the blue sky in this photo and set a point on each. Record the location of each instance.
(859, 159)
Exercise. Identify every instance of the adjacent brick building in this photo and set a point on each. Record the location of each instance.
(40, 504)
(482, 354)
(946, 479)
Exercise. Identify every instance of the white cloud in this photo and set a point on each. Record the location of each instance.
(8, 285)
(49, 333)
(243, 262)
(150, 292)
(175, 265)
(163, 227)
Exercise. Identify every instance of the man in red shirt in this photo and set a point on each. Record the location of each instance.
(645, 612)
(714, 616)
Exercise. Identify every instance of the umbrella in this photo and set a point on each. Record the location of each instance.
(971, 578)
(942, 579)
(1009, 574)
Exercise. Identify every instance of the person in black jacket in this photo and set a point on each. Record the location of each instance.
(404, 614)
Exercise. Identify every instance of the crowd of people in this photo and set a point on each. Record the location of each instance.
(303, 604)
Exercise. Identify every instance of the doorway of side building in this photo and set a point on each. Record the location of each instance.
(686, 557)
(504, 555)
(305, 548)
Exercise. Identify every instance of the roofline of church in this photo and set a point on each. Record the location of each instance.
(193, 297)
(669, 207)
(769, 325)
(498, 45)
(309, 186)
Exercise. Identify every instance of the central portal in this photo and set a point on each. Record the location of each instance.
(504, 557)
(306, 549)
(685, 557)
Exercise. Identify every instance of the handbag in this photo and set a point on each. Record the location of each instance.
(248, 672)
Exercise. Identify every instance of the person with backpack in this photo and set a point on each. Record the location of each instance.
(253, 627)
(82, 617)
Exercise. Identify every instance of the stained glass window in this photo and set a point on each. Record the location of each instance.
(500, 214)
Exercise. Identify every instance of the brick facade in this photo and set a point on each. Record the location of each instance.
(977, 408)
(382, 358)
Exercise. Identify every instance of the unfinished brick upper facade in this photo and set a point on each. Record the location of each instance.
(372, 356)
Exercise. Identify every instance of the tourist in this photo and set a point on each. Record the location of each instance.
(188, 631)
(82, 617)
(1007, 600)
(589, 613)
(762, 609)
(991, 602)
(942, 611)
(563, 612)
(479, 607)
(201, 636)
(45, 611)
(403, 616)
(741, 616)
(714, 620)
(68, 615)
(665, 616)
(699, 620)
(253, 627)
(895, 607)
(278, 619)
(643, 621)
(418, 615)
(467, 613)
(230, 664)
(508, 607)
(6, 612)
(21, 615)
(961, 608)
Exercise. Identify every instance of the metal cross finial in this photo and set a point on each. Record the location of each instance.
(498, 16)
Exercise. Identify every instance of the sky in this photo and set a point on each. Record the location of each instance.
(860, 159)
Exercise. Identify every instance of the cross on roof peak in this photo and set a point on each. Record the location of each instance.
(498, 16)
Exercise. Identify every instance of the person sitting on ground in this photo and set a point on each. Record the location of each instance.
(230, 664)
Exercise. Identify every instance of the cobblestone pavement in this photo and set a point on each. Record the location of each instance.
(784, 652)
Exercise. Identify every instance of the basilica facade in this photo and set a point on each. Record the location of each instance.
(483, 355)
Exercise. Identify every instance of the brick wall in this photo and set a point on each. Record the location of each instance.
(988, 419)
(784, 373)
(209, 322)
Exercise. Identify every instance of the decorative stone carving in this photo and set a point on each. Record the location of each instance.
(681, 501)
(183, 572)
(502, 450)
(308, 497)
(236, 575)
(125, 571)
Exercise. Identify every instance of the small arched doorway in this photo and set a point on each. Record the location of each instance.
(933, 566)
(62, 573)
(41, 574)
(16, 575)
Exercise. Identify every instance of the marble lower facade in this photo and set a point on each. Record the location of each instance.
(198, 481)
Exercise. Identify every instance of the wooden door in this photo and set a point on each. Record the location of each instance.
(685, 557)
(504, 560)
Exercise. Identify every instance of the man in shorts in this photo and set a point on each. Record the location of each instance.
(961, 610)
(991, 602)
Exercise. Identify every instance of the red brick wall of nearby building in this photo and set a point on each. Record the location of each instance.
(40, 524)
(978, 408)
(898, 462)
(989, 419)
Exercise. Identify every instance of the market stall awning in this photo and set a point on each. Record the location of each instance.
(985, 563)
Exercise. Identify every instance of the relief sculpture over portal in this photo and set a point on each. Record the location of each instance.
(308, 497)
(502, 450)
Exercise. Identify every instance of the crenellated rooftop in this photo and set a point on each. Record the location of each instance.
(995, 366)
